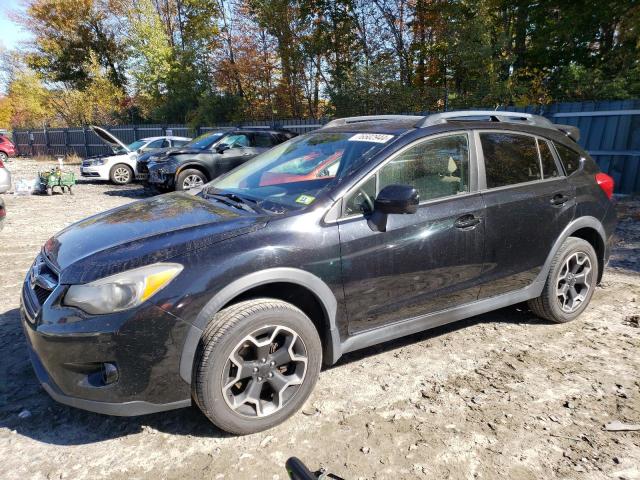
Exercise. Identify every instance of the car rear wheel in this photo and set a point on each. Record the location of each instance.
(570, 284)
(190, 178)
(121, 174)
(257, 364)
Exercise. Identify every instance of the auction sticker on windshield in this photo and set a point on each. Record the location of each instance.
(371, 137)
(305, 199)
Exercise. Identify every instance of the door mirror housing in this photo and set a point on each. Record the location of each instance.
(393, 199)
(397, 199)
(223, 147)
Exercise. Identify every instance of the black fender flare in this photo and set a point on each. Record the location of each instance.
(574, 226)
(194, 165)
(272, 275)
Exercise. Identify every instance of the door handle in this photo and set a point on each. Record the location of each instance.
(559, 199)
(466, 222)
(246, 154)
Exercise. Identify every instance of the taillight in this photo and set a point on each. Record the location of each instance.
(606, 183)
(3, 212)
(1, 164)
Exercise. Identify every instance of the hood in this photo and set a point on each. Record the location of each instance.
(185, 151)
(144, 232)
(109, 139)
(145, 157)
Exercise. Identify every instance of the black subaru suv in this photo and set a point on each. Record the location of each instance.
(233, 295)
(210, 155)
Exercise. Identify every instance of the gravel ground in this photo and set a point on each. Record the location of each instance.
(502, 395)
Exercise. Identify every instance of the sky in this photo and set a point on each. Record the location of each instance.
(10, 33)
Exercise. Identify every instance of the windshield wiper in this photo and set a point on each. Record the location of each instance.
(234, 200)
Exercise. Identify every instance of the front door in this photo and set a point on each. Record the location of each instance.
(423, 262)
(528, 204)
(240, 150)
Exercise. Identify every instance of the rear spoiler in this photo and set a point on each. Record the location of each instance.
(570, 131)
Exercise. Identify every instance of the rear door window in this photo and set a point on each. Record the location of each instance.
(549, 167)
(263, 140)
(570, 158)
(509, 159)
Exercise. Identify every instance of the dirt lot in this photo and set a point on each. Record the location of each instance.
(502, 395)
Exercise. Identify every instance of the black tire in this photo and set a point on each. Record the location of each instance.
(224, 336)
(549, 305)
(189, 176)
(121, 174)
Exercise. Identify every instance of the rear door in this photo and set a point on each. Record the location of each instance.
(528, 204)
(424, 262)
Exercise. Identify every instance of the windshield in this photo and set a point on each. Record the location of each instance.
(205, 140)
(294, 172)
(136, 145)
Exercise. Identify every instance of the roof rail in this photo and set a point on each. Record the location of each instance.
(494, 116)
(370, 118)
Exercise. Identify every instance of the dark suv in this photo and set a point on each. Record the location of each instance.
(210, 155)
(233, 295)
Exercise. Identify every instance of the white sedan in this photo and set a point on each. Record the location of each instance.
(121, 166)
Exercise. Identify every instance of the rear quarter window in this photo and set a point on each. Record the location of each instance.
(509, 159)
(570, 158)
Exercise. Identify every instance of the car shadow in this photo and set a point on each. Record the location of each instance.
(129, 191)
(516, 314)
(28, 410)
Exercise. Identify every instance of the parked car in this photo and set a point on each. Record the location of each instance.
(3, 213)
(5, 178)
(233, 295)
(211, 155)
(121, 167)
(7, 148)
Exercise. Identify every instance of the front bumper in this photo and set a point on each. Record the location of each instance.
(69, 349)
(161, 177)
(95, 172)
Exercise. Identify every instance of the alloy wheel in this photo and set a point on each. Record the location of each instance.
(121, 175)
(264, 371)
(192, 181)
(574, 282)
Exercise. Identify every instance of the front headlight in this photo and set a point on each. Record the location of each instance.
(122, 291)
(97, 162)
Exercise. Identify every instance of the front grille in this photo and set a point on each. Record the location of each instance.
(42, 279)
(41, 294)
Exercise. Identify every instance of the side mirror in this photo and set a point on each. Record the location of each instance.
(393, 199)
(223, 147)
(140, 150)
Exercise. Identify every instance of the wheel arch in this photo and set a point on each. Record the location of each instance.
(587, 228)
(303, 289)
(195, 166)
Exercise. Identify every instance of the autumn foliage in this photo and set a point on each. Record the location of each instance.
(205, 61)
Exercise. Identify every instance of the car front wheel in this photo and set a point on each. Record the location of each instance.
(190, 178)
(121, 174)
(257, 364)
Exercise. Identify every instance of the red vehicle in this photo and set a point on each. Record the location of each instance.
(303, 169)
(7, 148)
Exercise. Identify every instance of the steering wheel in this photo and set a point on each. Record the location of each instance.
(367, 199)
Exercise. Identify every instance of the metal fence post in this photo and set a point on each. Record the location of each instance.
(67, 141)
(86, 143)
(46, 142)
(135, 133)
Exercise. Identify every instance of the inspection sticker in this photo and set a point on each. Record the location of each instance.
(371, 137)
(305, 199)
